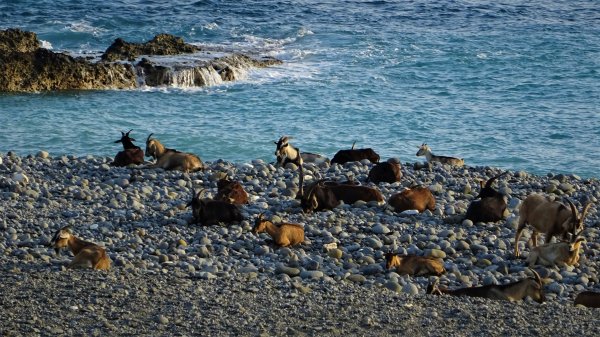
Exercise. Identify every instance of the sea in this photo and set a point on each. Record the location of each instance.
(510, 84)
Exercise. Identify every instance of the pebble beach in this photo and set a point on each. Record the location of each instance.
(169, 277)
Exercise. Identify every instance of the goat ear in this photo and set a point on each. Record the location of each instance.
(117, 141)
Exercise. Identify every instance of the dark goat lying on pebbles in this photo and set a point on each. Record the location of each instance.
(491, 206)
(210, 212)
(515, 291)
(344, 156)
(131, 153)
(323, 195)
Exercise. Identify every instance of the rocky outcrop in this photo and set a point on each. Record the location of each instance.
(27, 67)
(18, 41)
(161, 44)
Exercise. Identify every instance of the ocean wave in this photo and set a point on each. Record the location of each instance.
(84, 27)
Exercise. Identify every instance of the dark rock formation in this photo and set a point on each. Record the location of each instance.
(27, 67)
(161, 44)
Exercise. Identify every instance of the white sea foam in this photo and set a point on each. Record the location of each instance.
(46, 44)
(210, 26)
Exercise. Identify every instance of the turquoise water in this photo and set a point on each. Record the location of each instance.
(514, 85)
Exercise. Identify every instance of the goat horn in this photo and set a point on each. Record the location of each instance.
(127, 134)
(586, 208)
(148, 139)
(573, 209)
(488, 184)
(537, 276)
(312, 188)
(353, 145)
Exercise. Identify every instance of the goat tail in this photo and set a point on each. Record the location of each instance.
(103, 263)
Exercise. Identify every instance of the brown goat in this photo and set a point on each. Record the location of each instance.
(344, 156)
(87, 254)
(231, 191)
(387, 172)
(169, 159)
(513, 292)
(419, 198)
(415, 265)
(210, 212)
(327, 195)
(131, 153)
(556, 253)
(284, 234)
(588, 299)
(549, 217)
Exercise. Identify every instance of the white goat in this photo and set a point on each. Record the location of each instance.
(424, 150)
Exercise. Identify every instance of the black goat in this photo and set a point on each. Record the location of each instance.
(210, 212)
(344, 156)
(131, 153)
(490, 207)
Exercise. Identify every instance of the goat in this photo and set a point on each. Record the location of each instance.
(210, 212)
(289, 155)
(388, 172)
(231, 191)
(321, 196)
(491, 206)
(285, 154)
(588, 299)
(513, 292)
(87, 254)
(170, 159)
(131, 153)
(549, 217)
(284, 234)
(419, 198)
(424, 150)
(415, 265)
(557, 253)
(344, 156)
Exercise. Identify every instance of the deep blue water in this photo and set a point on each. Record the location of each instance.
(512, 84)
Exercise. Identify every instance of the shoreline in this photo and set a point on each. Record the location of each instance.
(139, 216)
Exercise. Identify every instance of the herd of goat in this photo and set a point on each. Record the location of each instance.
(539, 212)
